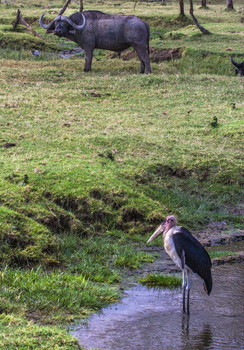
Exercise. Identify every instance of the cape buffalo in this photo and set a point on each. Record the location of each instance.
(95, 29)
(239, 67)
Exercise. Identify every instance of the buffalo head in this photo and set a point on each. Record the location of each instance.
(239, 67)
(62, 25)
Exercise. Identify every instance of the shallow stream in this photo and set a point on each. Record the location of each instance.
(151, 319)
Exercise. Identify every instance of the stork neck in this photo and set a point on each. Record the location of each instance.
(171, 231)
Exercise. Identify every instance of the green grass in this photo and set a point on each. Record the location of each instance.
(18, 333)
(51, 295)
(165, 281)
(98, 258)
(221, 254)
(101, 158)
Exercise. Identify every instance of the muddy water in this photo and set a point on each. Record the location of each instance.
(151, 319)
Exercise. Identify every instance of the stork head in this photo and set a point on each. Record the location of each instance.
(164, 227)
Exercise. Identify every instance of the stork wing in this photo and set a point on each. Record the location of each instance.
(196, 257)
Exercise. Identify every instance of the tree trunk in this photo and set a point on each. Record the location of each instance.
(204, 3)
(201, 28)
(229, 4)
(182, 10)
(81, 6)
(64, 7)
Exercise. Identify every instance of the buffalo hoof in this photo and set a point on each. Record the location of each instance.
(147, 72)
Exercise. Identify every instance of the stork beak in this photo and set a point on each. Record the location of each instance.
(158, 231)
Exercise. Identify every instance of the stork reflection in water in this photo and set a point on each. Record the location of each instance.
(187, 253)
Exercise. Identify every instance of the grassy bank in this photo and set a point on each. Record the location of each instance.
(90, 163)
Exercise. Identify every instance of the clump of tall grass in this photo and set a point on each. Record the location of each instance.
(158, 280)
(51, 294)
(19, 333)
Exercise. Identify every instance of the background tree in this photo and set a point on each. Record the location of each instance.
(81, 5)
(229, 4)
(199, 26)
(182, 10)
(64, 7)
(204, 3)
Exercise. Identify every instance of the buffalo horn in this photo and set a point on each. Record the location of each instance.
(46, 26)
(63, 18)
(76, 26)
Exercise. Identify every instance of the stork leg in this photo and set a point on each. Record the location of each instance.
(184, 290)
(188, 288)
(184, 281)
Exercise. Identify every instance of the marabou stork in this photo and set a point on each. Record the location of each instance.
(187, 253)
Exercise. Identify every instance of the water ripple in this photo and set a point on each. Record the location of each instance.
(149, 319)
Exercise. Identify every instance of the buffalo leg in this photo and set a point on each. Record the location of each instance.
(88, 60)
(144, 58)
(142, 67)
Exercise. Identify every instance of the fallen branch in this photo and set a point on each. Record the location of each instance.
(201, 28)
(21, 20)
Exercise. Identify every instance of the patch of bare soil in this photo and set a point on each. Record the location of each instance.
(156, 55)
(165, 54)
(217, 233)
(237, 258)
